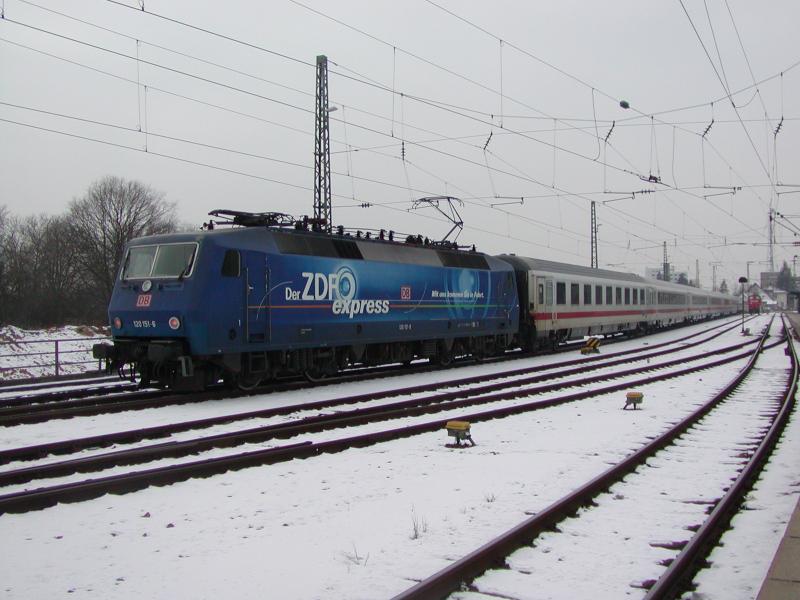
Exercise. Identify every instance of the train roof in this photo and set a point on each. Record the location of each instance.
(549, 266)
(413, 250)
(538, 264)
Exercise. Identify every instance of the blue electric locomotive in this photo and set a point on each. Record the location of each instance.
(268, 296)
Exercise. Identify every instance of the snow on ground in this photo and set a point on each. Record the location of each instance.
(740, 562)
(42, 432)
(612, 548)
(31, 352)
(26, 435)
(363, 523)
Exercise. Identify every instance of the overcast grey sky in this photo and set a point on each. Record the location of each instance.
(420, 87)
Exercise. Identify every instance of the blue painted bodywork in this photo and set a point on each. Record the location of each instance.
(284, 301)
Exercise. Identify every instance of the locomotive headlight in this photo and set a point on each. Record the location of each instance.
(146, 285)
(117, 323)
(174, 323)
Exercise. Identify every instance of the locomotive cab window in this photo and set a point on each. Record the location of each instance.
(162, 261)
(230, 264)
(139, 262)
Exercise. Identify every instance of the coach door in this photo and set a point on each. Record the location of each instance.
(256, 294)
(544, 307)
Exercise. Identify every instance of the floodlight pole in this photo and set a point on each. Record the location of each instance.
(594, 237)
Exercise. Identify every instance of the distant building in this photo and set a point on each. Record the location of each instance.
(769, 280)
(674, 276)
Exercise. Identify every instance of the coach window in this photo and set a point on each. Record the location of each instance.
(635, 296)
(609, 295)
(230, 264)
(561, 292)
(587, 294)
(598, 294)
(574, 294)
(627, 295)
(619, 295)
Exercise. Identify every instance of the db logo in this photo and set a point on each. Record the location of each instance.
(143, 300)
(405, 292)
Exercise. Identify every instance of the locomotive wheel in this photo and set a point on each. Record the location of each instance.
(314, 375)
(445, 357)
(247, 383)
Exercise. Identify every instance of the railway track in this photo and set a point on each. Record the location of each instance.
(523, 375)
(456, 400)
(39, 394)
(53, 381)
(65, 404)
(682, 452)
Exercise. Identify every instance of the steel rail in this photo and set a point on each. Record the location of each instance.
(31, 400)
(32, 452)
(491, 554)
(40, 498)
(403, 409)
(19, 413)
(51, 381)
(679, 573)
(61, 447)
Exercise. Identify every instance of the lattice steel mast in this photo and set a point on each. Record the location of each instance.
(322, 150)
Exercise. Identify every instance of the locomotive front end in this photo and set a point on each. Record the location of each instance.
(152, 311)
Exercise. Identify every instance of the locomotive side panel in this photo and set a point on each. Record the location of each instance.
(321, 301)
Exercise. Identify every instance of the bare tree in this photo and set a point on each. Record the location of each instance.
(40, 278)
(5, 223)
(111, 213)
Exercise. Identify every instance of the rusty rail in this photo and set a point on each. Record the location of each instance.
(491, 554)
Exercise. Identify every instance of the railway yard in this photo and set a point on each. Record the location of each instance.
(352, 488)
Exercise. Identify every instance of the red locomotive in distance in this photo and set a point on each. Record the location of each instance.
(754, 304)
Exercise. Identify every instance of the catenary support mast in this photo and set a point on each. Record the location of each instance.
(322, 150)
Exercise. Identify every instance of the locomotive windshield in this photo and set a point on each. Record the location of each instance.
(164, 260)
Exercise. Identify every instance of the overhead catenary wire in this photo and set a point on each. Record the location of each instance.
(429, 62)
(262, 96)
(581, 81)
(725, 88)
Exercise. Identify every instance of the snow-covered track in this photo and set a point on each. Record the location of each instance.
(108, 398)
(454, 395)
(35, 398)
(53, 381)
(473, 397)
(475, 569)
